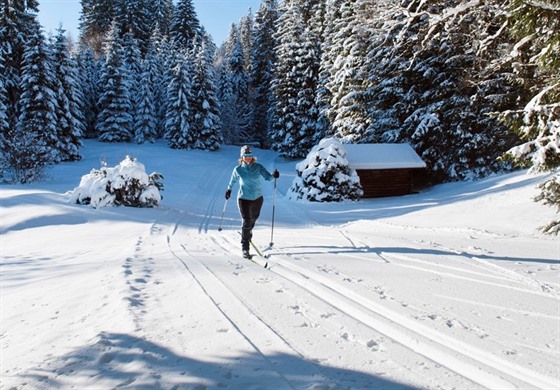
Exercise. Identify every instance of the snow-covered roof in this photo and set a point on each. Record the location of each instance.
(383, 156)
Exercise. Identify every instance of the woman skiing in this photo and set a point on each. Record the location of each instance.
(249, 197)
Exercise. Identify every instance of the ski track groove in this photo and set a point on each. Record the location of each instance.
(229, 294)
(444, 350)
(425, 341)
(541, 293)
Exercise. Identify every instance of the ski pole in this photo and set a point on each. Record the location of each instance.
(273, 209)
(223, 212)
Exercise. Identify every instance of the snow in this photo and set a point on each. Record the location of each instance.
(383, 156)
(450, 288)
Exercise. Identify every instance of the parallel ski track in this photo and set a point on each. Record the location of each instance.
(454, 354)
(236, 311)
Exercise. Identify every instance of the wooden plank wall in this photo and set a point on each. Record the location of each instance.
(386, 182)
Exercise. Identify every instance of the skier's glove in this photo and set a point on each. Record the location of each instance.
(228, 194)
(276, 174)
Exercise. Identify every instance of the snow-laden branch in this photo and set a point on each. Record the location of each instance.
(544, 5)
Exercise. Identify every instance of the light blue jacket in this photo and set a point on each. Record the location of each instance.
(249, 178)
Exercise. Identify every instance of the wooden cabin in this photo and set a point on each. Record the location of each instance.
(386, 169)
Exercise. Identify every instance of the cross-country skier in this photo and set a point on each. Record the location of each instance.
(249, 197)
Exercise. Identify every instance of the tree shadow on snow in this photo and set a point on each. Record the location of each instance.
(117, 360)
(382, 252)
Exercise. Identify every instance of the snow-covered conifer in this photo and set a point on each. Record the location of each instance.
(263, 56)
(158, 61)
(69, 112)
(234, 91)
(205, 106)
(536, 25)
(33, 146)
(162, 12)
(146, 119)
(178, 115)
(295, 113)
(349, 79)
(185, 26)
(88, 71)
(325, 175)
(115, 119)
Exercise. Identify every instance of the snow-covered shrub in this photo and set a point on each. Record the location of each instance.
(325, 175)
(126, 184)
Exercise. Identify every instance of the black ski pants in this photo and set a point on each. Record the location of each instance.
(250, 211)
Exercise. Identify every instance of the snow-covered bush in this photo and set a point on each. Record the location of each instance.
(325, 175)
(126, 184)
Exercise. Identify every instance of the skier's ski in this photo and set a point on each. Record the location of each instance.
(259, 253)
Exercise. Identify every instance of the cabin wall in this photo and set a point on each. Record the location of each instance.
(388, 182)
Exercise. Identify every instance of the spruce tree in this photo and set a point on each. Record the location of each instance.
(115, 118)
(349, 79)
(4, 121)
(89, 72)
(325, 175)
(185, 26)
(158, 60)
(205, 105)
(162, 12)
(263, 56)
(69, 112)
(132, 62)
(95, 22)
(295, 113)
(536, 28)
(234, 87)
(146, 115)
(33, 146)
(178, 115)
(17, 24)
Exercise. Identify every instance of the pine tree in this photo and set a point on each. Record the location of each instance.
(115, 119)
(536, 26)
(17, 24)
(426, 88)
(205, 106)
(185, 26)
(234, 92)
(68, 110)
(95, 22)
(146, 115)
(162, 12)
(178, 116)
(294, 126)
(136, 22)
(132, 62)
(88, 70)
(263, 57)
(325, 175)
(34, 145)
(324, 94)
(349, 80)
(158, 59)
(4, 121)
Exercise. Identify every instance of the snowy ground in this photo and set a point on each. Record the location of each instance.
(450, 288)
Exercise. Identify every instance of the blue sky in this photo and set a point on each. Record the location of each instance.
(215, 15)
